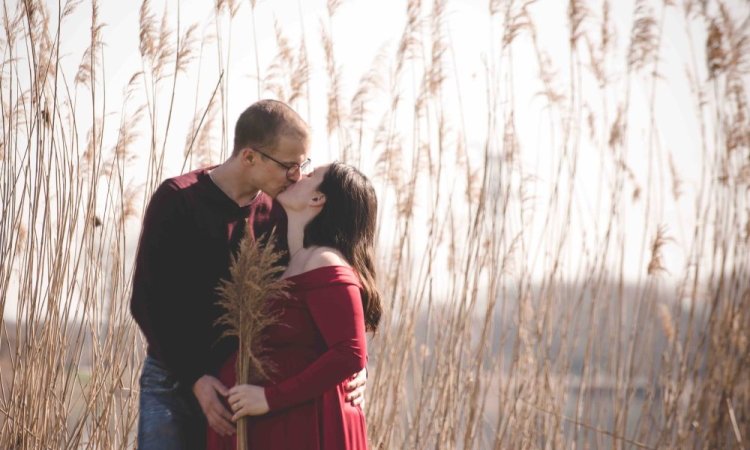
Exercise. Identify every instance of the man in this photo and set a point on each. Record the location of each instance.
(193, 224)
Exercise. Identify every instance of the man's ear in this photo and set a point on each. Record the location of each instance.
(318, 199)
(247, 154)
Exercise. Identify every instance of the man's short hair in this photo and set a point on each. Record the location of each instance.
(264, 122)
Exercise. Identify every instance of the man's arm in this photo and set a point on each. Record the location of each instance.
(160, 301)
(161, 295)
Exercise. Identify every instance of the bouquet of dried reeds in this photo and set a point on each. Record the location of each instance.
(254, 280)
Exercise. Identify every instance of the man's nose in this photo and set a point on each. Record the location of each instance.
(294, 176)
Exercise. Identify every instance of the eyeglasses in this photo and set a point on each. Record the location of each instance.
(292, 170)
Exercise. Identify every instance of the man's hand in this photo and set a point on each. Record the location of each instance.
(248, 400)
(356, 388)
(207, 390)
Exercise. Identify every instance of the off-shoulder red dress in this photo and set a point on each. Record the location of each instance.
(317, 344)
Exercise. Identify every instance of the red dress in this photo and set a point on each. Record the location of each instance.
(317, 344)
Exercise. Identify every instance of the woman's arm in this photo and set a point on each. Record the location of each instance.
(337, 312)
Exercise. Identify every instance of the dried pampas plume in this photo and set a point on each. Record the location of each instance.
(656, 265)
(254, 279)
(245, 297)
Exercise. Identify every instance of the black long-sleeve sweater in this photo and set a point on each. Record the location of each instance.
(190, 230)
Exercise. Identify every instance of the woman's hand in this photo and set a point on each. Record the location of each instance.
(247, 400)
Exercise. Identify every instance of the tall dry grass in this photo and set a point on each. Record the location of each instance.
(513, 319)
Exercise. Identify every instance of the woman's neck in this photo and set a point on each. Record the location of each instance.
(295, 235)
(298, 254)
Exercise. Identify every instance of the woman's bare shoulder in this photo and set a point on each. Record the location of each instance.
(325, 256)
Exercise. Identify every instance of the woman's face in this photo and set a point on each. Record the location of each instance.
(304, 193)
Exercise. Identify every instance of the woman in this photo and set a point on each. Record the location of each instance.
(319, 340)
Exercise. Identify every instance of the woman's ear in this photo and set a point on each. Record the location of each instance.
(318, 199)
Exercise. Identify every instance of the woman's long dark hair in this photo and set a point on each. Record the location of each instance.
(347, 223)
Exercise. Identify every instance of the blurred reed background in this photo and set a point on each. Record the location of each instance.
(564, 219)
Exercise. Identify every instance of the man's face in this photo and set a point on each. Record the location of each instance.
(272, 176)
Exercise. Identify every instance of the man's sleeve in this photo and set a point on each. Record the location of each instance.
(160, 295)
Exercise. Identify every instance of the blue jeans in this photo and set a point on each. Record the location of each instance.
(170, 416)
